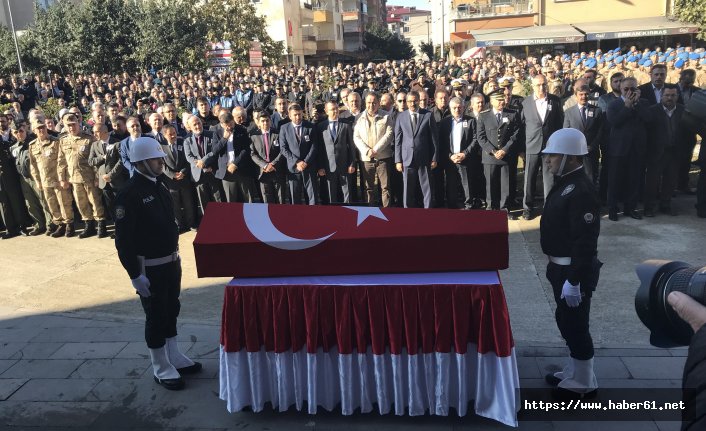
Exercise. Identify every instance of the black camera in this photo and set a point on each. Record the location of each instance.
(658, 278)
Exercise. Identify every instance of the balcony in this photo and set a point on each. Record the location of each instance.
(323, 16)
(494, 9)
(306, 11)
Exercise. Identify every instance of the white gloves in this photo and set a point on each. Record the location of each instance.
(142, 286)
(571, 293)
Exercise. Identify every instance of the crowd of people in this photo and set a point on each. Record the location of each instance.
(396, 133)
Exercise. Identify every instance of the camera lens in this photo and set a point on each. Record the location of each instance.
(658, 278)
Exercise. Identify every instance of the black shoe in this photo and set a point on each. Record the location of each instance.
(649, 212)
(511, 216)
(191, 369)
(561, 394)
(37, 231)
(635, 214)
(552, 379)
(70, 230)
(527, 215)
(51, 229)
(102, 230)
(613, 215)
(59, 232)
(89, 229)
(171, 384)
(8, 235)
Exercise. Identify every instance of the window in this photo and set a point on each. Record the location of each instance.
(405, 29)
(405, 18)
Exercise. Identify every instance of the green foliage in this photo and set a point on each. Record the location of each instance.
(381, 43)
(427, 48)
(693, 11)
(236, 21)
(8, 55)
(54, 35)
(51, 108)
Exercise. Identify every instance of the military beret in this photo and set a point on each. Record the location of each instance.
(70, 119)
(679, 63)
(647, 63)
(694, 56)
(619, 59)
(642, 61)
(684, 55)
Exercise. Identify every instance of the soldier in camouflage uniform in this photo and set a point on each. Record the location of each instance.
(74, 149)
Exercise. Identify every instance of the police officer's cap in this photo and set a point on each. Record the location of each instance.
(70, 119)
(567, 141)
(145, 148)
(456, 84)
(498, 94)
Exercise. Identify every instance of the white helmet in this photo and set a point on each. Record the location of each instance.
(145, 148)
(567, 141)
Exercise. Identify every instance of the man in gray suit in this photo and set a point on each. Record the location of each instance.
(541, 116)
(416, 150)
(588, 119)
(196, 147)
(337, 159)
(265, 152)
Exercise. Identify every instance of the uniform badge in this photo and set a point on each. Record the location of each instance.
(275, 143)
(47, 153)
(465, 124)
(83, 148)
(588, 218)
(506, 120)
(549, 108)
(119, 212)
(590, 113)
(179, 148)
(306, 138)
(568, 190)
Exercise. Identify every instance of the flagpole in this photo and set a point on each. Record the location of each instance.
(14, 37)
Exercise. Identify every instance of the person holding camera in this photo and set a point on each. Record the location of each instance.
(694, 314)
(569, 231)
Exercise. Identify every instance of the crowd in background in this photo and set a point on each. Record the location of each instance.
(410, 133)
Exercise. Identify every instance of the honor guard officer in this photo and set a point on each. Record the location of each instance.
(147, 239)
(569, 231)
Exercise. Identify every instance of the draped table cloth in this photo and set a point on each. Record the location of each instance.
(408, 343)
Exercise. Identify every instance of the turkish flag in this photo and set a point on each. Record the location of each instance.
(261, 240)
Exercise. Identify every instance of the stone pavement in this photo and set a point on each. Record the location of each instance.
(72, 353)
(62, 372)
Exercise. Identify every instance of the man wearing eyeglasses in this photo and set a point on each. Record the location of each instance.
(170, 117)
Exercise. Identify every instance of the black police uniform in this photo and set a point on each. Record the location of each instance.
(145, 226)
(569, 228)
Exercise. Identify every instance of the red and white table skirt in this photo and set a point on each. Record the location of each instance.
(415, 343)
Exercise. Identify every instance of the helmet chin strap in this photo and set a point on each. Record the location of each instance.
(561, 166)
(150, 173)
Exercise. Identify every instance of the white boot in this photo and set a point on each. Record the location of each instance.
(163, 369)
(583, 380)
(183, 364)
(567, 372)
(178, 359)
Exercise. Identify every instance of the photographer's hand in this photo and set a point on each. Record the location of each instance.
(689, 310)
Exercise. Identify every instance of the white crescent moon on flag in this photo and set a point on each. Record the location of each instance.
(257, 219)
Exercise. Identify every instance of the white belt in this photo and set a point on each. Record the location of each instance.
(560, 260)
(161, 260)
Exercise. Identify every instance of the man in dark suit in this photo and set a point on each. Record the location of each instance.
(297, 145)
(170, 117)
(196, 147)
(626, 149)
(475, 160)
(416, 150)
(336, 154)
(603, 102)
(498, 130)
(652, 91)
(104, 156)
(235, 168)
(265, 153)
(456, 136)
(176, 170)
(541, 115)
(662, 155)
(279, 117)
(586, 118)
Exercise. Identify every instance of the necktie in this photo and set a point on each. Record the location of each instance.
(583, 115)
(499, 117)
(266, 140)
(199, 143)
(333, 130)
(299, 132)
(174, 151)
(414, 121)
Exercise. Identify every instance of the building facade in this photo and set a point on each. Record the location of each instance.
(410, 24)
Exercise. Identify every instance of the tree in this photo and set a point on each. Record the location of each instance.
(53, 36)
(427, 48)
(106, 36)
(8, 55)
(381, 43)
(237, 22)
(171, 35)
(692, 11)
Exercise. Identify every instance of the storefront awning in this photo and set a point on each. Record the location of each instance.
(520, 36)
(637, 27)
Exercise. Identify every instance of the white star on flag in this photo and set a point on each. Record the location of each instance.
(365, 212)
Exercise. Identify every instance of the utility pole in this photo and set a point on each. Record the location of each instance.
(428, 32)
(443, 18)
(14, 37)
